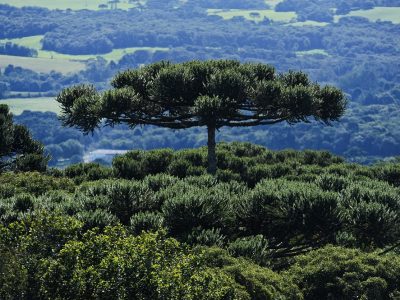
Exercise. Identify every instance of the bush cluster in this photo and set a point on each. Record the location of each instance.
(306, 225)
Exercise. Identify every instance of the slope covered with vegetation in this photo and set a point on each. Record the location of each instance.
(269, 225)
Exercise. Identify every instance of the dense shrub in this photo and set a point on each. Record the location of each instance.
(339, 273)
(289, 213)
(47, 257)
(102, 266)
(146, 221)
(35, 183)
(198, 208)
(258, 282)
(138, 164)
(87, 172)
(123, 198)
(252, 247)
(389, 173)
(207, 237)
(369, 211)
(261, 171)
(333, 183)
(159, 181)
(13, 276)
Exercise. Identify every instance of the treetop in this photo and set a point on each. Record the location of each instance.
(213, 93)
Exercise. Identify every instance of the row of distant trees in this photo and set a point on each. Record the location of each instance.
(16, 50)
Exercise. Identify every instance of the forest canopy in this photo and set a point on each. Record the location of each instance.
(287, 224)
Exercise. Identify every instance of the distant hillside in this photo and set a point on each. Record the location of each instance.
(329, 40)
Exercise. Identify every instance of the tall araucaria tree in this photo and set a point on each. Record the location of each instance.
(213, 93)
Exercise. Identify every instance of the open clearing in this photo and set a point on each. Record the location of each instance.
(42, 65)
(391, 14)
(254, 15)
(308, 23)
(66, 4)
(273, 3)
(313, 52)
(34, 42)
(18, 105)
(114, 55)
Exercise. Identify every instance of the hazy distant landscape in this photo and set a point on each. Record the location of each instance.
(352, 44)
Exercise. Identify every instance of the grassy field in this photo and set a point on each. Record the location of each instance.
(66, 4)
(312, 52)
(254, 15)
(391, 14)
(18, 105)
(30, 41)
(44, 65)
(273, 3)
(114, 55)
(35, 43)
(308, 23)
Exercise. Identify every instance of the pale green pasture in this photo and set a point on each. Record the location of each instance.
(391, 14)
(18, 105)
(273, 3)
(308, 23)
(65, 4)
(35, 43)
(114, 55)
(312, 52)
(29, 41)
(247, 13)
(44, 65)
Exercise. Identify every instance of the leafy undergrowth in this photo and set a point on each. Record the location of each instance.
(269, 225)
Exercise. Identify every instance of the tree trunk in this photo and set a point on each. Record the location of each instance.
(212, 157)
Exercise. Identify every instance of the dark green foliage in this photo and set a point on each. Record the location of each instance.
(87, 172)
(329, 182)
(44, 258)
(99, 218)
(146, 221)
(207, 237)
(159, 181)
(23, 203)
(13, 276)
(34, 183)
(259, 283)
(252, 247)
(227, 176)
(339, 273)
(123, 198)
(18, 151)
(213, 94)
(198, 208)
(163, 269)
(259, 172)
(299, 213)
(7, 190)
(370, 212)
(298, 205)
(138, 164)
(234, 163)
(389, 173)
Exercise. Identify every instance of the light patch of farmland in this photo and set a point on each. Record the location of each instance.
(254, 14)
(42, 65)
(18, 105)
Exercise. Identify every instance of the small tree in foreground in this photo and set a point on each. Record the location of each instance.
(211, 93)
(18, 151)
